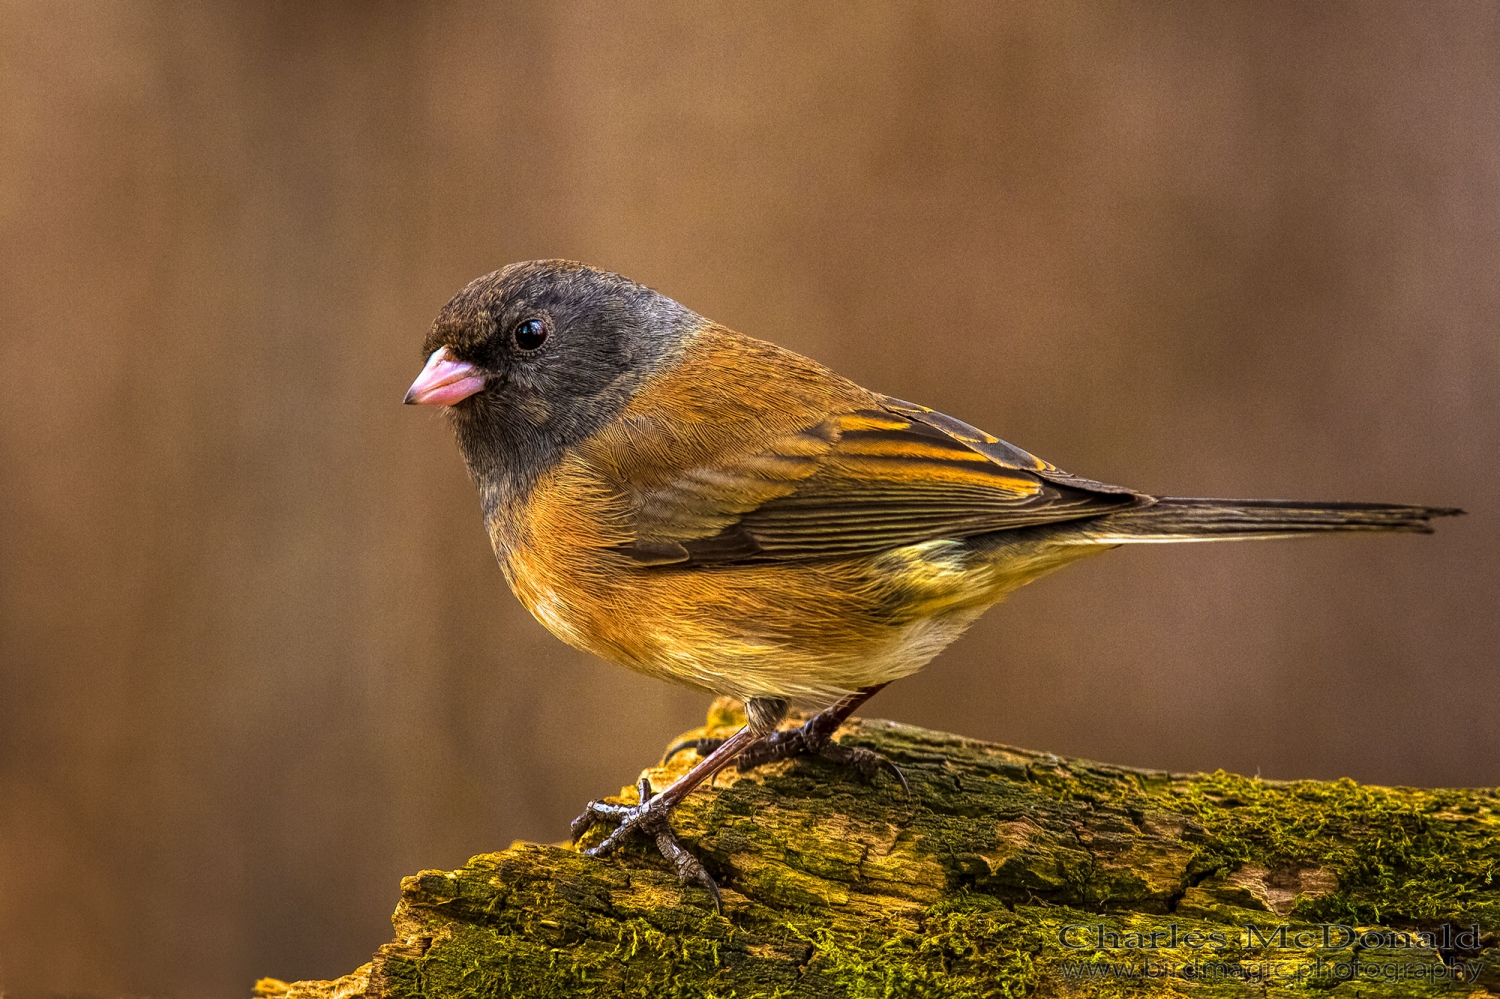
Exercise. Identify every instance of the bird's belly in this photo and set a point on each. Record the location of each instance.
(809, 632)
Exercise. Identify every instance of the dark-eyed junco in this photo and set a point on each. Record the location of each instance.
(716, 511)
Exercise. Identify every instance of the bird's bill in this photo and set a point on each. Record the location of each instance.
(444, 381)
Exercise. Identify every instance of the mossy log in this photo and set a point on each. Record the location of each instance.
(1006, 873)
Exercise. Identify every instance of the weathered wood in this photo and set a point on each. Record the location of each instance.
(1006, 874)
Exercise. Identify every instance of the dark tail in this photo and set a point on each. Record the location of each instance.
(1173, 518)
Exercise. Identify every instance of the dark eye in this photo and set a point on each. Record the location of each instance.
(530, 335)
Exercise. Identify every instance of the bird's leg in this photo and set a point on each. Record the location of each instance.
(652, 815)
(814, 737)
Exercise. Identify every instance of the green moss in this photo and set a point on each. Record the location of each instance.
(1399, 854)
(986, 884)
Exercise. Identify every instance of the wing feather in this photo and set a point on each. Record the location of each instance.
(853, 483)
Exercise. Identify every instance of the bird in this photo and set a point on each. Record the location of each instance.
(720, 512)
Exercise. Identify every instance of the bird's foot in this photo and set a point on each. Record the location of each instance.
(812, 738)
(653, 818)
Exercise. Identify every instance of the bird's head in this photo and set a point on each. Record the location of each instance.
(532, 358)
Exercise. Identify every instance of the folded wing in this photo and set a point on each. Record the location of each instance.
(852, 483)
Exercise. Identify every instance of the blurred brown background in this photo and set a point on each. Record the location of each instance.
(256, 660)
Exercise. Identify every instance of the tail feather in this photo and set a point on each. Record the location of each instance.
(1175, 519)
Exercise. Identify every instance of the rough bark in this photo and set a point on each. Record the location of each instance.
(833, 887)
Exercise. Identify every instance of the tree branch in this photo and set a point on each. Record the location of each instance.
(1008, 873)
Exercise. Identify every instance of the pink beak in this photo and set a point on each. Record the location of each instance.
(444, 381)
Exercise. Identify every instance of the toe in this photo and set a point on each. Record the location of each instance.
(582, 825)
(690, 869)
(865, 762)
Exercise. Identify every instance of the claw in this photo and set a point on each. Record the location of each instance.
(866, 762)
(700, 746)
(652, 815)
(581, 825)
(690, 869)
(896, 772)
(654, 822)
